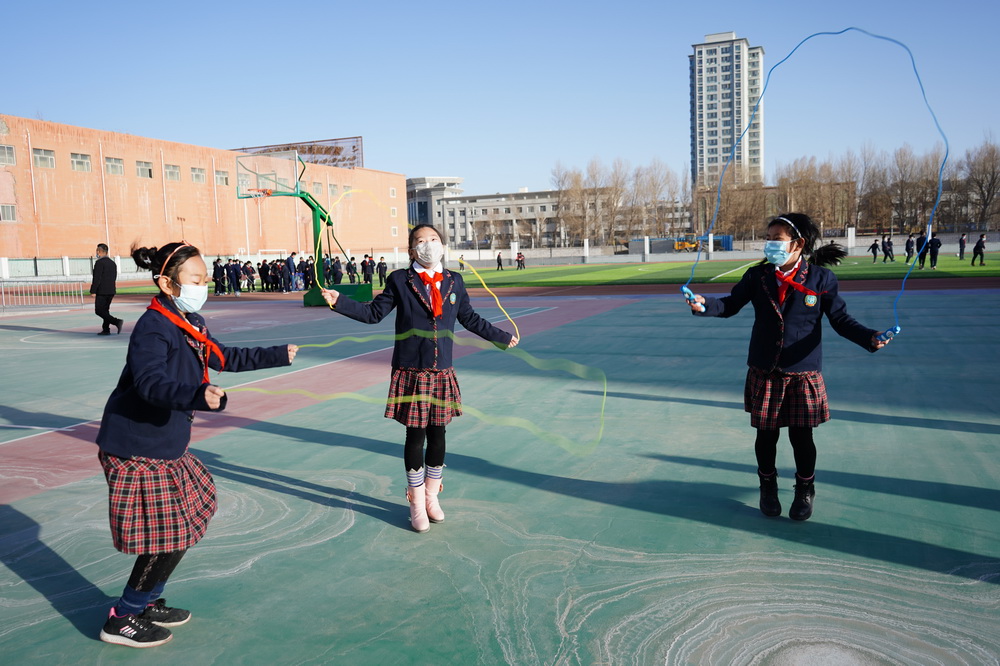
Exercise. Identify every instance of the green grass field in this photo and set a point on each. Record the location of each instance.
(677, 272)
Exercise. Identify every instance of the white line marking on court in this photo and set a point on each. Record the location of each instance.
(734, 270)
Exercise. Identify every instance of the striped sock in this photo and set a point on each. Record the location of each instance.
(415, 477)
(434, 472)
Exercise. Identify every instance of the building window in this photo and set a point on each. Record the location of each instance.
(8, 213)
(333, 190)
(451, 213)
(222, 178)
(79, 162)
(242, 182)
(318, 189)
(7, 155)
(143, 169)
(392, 212)
(114, 166)
(393, 231)
(392, 192)
(171, 172)
(44, 159)
(347, 188)
(198, 175)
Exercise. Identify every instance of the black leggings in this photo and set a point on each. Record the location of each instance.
(152, 569)
(413, 451)
(803, 448)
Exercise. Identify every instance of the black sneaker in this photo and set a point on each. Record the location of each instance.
(133, 631)
(118, 325)
(161, 614)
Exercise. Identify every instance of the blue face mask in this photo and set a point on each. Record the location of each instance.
(192, 297)
(777, 252)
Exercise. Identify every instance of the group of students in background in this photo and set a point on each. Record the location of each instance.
(232, 277)
(926, 247)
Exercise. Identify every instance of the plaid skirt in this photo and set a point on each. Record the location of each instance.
(158, 506)
(419, 398)
(778, 400)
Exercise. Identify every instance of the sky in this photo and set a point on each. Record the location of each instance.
(499, 93)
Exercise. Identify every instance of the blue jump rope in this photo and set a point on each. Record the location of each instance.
(889, 333)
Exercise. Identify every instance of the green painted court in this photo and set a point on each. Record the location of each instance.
(645, 547)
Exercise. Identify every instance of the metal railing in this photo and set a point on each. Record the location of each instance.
(32, 294)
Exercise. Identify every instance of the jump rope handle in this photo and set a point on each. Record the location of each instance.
(888, 334)
(689, 297)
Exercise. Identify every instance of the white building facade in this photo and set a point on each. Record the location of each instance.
(726, 76)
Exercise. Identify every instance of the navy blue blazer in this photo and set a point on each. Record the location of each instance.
(149, 413)
(788, 337)
(405, 292)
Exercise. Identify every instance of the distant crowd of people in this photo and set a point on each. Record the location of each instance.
(924, 248)
(295, 273)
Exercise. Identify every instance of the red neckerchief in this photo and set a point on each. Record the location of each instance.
(180, 322)
(786, 281)
(431, 280)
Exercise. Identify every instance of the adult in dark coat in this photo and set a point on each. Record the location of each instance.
(102, 287)
(233, 272)
(219, 277)
(934, 247)
(922, 250)
(338, 271)
(979, 250)
(910, 243)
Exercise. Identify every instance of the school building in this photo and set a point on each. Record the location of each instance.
(64, 189)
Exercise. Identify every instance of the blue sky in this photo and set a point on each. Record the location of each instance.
(496, 93)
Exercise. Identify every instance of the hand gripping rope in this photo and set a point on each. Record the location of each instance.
(891, 332)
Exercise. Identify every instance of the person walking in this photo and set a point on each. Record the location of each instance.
(383, 269)
(934, 247)
(103, 289)
(887, 250)
(367, 269)
(499, 261)
(961, 247)
(873, 248)
(921, 251)
(234, 271)
(979, 250)
(338, 270)
(910, 243)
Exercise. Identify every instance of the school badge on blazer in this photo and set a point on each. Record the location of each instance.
(811, 300)
(452, 299)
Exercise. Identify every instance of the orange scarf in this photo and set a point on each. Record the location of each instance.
(207, 344)
(431, 280)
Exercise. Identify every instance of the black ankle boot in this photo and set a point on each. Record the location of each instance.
(769, 504)
(802, 505)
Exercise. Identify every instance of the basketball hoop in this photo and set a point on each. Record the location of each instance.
(258, 195)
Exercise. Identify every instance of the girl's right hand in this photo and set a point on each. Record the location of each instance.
(213, 396)
(513, 342)
(330, 296)
(696, 303)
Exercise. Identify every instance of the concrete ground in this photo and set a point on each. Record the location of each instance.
(580, 529)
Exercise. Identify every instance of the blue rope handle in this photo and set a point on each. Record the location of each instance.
(887, 335)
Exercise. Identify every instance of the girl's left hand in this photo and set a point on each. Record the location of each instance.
(513, 342)
(292, 351)
(878, 344)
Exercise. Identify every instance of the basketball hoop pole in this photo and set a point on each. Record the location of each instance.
(314, 297)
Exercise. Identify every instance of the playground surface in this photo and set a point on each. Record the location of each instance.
(581, 529)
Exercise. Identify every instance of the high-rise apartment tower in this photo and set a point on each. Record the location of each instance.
(726, 81)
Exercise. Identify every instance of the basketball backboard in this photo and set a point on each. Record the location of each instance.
(274, 173)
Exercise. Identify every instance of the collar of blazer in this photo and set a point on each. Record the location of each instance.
(417, 287)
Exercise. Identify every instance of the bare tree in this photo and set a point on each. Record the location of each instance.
(980, 169)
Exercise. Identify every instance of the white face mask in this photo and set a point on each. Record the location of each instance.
(192, 297)
(429, 253)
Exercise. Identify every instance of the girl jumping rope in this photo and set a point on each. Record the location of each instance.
(790, 291)
(423, 393)
(161, 496)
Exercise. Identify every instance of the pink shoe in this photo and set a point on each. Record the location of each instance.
(418, 509)
(434, 512)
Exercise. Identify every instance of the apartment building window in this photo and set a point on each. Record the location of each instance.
(242, 182)
(393, 231)
(333, 190)
(143, 169)
(198, 175)
(43, 159)
(317, 189)
(392, 212)
(79, 162)
(506, 210)
(542, 208)
(7, 155)
(114, 166)
(222, 178)
(8, 213)
(392, 192)
(172, 172)
(347, 188)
